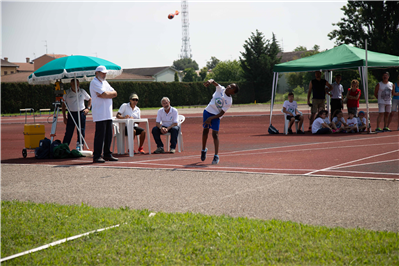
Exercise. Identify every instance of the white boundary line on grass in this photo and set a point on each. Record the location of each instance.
(55, 243)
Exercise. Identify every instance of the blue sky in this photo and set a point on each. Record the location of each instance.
(139, 34)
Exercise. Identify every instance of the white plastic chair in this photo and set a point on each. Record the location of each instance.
(179, 137)
(287, 123)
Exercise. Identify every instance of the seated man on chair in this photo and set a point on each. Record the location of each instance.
(290, 107)
(166, 122)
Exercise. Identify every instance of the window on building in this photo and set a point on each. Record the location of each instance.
(5, 73)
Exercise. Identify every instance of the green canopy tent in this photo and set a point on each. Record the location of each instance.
(341, 57)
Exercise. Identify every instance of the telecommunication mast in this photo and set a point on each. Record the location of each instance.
(185, 46)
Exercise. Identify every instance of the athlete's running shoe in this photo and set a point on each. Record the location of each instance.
(215, 159)
(378, 129)
(203, 154)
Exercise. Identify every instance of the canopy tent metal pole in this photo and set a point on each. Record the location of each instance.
(328, 77)
(366, 89)
(77, 103)
(275, 81)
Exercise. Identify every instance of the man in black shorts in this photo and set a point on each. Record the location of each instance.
(317, 86)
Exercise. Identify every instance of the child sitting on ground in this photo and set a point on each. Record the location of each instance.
(290, 107)
(352, 122)
(319, 126)
(361, 121)
(328, 122)
(339, 121)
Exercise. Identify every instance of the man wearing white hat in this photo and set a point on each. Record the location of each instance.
(102, 94)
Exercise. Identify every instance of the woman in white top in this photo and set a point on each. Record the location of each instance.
(130, 110)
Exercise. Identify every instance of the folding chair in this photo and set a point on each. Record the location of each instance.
(287, 123)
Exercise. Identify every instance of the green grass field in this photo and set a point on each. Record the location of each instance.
(181, 239)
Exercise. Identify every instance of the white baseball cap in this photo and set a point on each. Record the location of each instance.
(101, 69)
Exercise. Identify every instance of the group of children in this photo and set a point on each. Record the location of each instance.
(323, 125)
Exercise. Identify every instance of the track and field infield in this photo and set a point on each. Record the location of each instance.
(245, 146)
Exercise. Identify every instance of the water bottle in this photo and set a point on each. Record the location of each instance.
(77, 146)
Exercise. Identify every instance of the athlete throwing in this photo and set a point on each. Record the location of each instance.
(220, 103)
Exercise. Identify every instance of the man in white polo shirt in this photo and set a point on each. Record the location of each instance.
(102, 94)
(71, 100)
(167, 121)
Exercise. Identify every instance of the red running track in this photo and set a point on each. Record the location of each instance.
(245, 146)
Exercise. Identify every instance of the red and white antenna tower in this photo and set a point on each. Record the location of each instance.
(185, 46)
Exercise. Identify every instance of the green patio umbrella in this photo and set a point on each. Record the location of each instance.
(69, 67)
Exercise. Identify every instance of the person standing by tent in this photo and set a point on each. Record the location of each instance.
(74, 106)
(383, 91)
(317, 86)
(102, 94)
(353, 96)
(395, 103)
(336, 98)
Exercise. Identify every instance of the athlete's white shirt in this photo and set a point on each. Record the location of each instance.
(317, 124)
(335, 120)
(220, 101)
(363, 120)
(290, 106)
(167, 119)
(71, 99)
(352, 122)
(126, 109)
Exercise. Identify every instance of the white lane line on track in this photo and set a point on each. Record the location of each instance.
(255, 153)
(268, 148)
(219, 167)
(360, 172)
(210, 170)
(338, 165)
(361, 164)
(263, 169)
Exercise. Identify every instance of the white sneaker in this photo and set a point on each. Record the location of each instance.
(215, 159)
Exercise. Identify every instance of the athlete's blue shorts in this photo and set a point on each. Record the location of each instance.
(215, 123)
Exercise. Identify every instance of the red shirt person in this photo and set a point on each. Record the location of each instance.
(353, 96)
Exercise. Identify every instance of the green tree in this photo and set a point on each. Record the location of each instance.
(176, 77)
(211, 64)
(184, 63)
(257, 62)
(203, 73)
(374, 21)
(227, 71)
(190, 75)
(302, 79)
(300, 48)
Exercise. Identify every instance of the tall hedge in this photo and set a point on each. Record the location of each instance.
(15, 96)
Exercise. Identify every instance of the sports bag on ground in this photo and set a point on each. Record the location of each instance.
(272, 130)
(43, 151)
